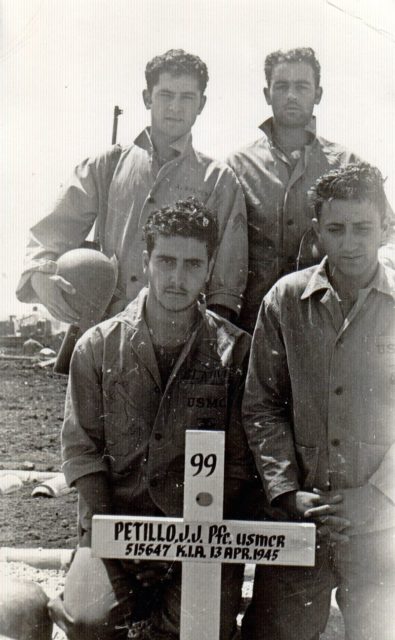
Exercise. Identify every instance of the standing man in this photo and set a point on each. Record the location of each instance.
(319, 414)
(120, 188)
(276, 172)
(137, 382)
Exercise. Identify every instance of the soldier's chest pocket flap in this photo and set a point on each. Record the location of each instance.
(379, 361)
(204, 406)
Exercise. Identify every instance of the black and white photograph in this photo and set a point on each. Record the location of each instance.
(197, 327)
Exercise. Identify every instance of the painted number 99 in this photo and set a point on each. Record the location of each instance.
(200, 462)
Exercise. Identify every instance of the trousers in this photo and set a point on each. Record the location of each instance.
(102, 599)
(293, 603)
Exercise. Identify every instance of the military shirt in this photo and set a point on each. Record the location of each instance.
(121, 420)
(120, 189)
(275, 187)
(319, 403)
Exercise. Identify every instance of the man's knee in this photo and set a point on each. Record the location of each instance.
(23, 611)
(93, 622)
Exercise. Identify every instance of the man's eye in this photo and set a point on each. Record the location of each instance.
(363, 229)
(194, 264)
(166, 261)
(335, 229)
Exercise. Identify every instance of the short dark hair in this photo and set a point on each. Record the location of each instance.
(176, 62)
(188, 218)
(301, 54)
(357, 181)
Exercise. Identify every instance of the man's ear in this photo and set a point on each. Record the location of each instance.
(147, 99)
(203, 101)
(316, 226)
(266, 93)
(210, 268)
(318, 95)
(384, 229)
(145, 259)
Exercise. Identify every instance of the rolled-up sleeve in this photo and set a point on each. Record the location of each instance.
(83, 427)
(267, 404)
(229, 273)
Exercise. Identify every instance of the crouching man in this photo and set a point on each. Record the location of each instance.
(137, 382)
(319, 414)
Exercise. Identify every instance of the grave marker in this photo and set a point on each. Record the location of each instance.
(202, 540)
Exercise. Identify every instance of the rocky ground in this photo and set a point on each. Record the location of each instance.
(31, 411)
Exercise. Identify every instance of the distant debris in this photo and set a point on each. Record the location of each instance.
(31, 347)
(46, 353)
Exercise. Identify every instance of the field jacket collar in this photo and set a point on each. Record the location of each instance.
(182, 145)
(267, 128)
(319, 281)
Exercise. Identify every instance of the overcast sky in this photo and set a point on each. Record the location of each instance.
(66, 63)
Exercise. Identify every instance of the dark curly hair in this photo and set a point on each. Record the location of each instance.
(188, 218)
(301, 54)
(356, 181)
(176, 62)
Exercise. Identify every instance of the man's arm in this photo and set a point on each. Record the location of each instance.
(83, 441)
(229, 273)
(267, 404)
(267, 420)
(66, 226)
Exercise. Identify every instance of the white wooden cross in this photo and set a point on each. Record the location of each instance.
(202, 540)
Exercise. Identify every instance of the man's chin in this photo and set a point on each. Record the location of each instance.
(177, 306)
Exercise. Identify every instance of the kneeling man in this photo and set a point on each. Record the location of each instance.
(137, 382)
(319, 410)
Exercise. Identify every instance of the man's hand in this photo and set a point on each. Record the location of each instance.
(49, 289)
(320, 507)
(149, 574)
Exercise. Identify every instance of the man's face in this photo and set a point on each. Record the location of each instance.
(175, 102)
(350, 233)
(177, 271)
(292, 94)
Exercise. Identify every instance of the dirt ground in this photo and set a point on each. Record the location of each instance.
(31, 413)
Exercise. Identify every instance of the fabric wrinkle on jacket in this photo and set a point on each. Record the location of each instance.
(120, 420)
(118, 190)
(319, 401)
(280, 237)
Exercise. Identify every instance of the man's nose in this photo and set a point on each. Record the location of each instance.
(350, 240)
(177, 274)
(175, 104)
(291, 93)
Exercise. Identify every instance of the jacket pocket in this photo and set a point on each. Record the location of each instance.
(369, 458)
(307, 458)
(204, 406)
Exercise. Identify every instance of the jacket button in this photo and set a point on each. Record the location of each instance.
(158, 436)
(133, 278)
(153, 483)
(335, 442)
(156, 390)
(339, 391)
(290, 222)
(151, 199)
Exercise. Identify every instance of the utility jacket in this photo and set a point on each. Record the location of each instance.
(319, 403)
(118, 190)
(280, 236)
(120, 420)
